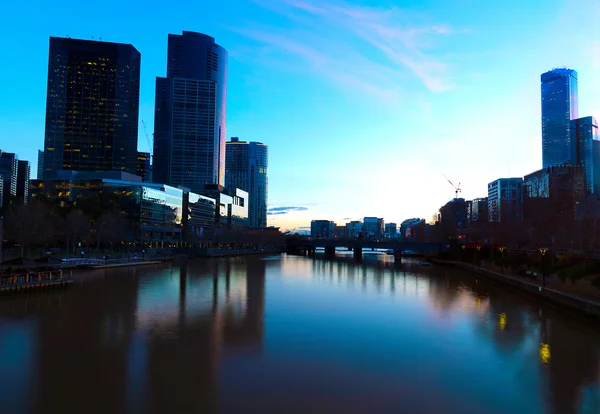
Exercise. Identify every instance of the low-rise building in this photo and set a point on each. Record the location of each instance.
(353, 229)
(505, 200)
(322, 229)
(413, 229)
(373, 228)
(391, 230)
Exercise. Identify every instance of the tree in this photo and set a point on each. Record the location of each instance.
(30, 224)
(111, 228)
(77, 227)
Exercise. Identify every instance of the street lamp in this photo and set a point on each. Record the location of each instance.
(479, 256)
(543, 251)
(502, 249)
(462, 256)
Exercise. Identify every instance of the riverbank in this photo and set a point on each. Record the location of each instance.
(207, 252)
(586, 303)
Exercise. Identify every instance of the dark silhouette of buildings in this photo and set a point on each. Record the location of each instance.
(92, 106)
(23, 175)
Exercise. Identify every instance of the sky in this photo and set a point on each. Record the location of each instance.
(365, 105)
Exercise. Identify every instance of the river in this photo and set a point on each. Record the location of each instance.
(289, 334)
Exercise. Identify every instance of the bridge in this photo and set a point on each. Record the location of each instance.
(307, 246)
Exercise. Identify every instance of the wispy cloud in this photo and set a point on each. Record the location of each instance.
(275, 211)
(367, 47)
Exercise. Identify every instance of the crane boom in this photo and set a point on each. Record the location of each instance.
(457, 188)
(150, 143)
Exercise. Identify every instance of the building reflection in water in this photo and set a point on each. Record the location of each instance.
(336, 335)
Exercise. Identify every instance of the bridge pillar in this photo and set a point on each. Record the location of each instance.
(330, 251)
(358, 253)
(397, 255)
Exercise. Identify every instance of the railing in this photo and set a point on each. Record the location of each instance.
(30, 278)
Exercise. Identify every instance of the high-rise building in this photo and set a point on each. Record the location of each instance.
(505, 200)
(559, 107)
(143, 166)
(23, 176)
(478, 210)
(584, 142)
(92, 106)
(40, 164)
(8, 170)
(189, 119)
(246, 168)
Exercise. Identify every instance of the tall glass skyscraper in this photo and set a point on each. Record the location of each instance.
(559, 107)
(190, 110)
(246, 169)
(92, 106)
(584, 143)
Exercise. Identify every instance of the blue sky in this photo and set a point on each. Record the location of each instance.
(364, 104)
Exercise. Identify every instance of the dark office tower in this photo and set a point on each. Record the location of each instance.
(91, 107)
(189, 120)
(246, 169)
(23, 175)
(40, 164)
(8, 170)
(143, 166)
(584, 139)
(559, 106)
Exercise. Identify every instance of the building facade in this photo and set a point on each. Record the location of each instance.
(413, 229)
(391, 230)
(232, 206)
(556, 190)
(246, 168)
(92, 106)
(373, 228)
(40, 164)
(153, 212)
(23, 177)
(322, 229)
(584, 147)
(143, 166)
(353, 229)
(559, 107)
(190, 113)
(478, 210)
(9, 170)
(505, 200)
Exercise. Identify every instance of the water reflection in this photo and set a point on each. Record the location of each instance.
(293, 334)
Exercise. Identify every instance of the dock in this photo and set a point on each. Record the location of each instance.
(34, 281)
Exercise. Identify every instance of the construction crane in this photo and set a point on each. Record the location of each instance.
(150, 143)
(456, 187)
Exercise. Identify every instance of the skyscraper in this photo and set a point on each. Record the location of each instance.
(246, 169)
(559, 107)
(143, 166)
(92, 106)
(8, 170)
(23, 176)
(584, 141)
(40, 164)
(190, 109)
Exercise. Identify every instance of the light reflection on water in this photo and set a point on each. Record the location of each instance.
(293, 334)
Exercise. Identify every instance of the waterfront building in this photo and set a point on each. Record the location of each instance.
(23, 177)
(190, 110)
(373, 228)
(413, 229)
(478, 210)
(246, 168)
(353, 229)
(322, 229)
(339, 232)
(154, 212)
(231, 204)
(391, 230)
(8, 169)
(584, 150)
(505, 200)
(554, 190)
(40, 164)
(559, 107)
(92, 106)
(143, 166)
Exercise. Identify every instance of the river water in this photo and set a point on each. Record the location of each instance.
(288, 334)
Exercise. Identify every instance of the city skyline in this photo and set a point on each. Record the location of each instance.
(384, 111)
